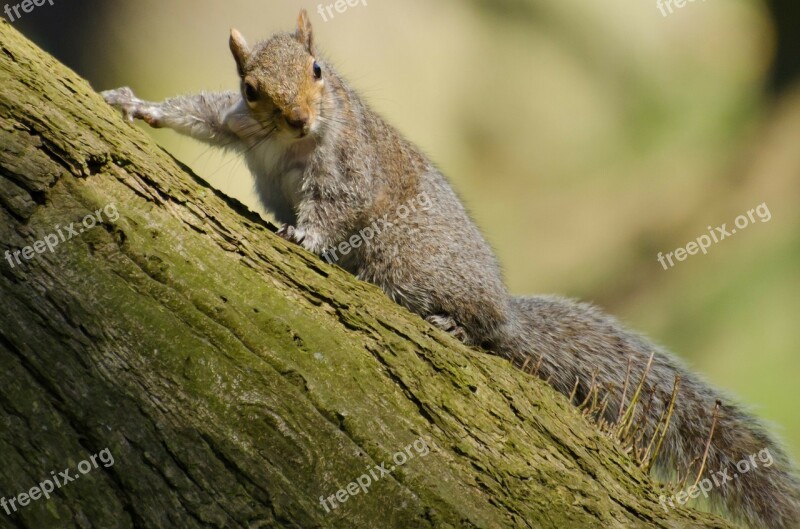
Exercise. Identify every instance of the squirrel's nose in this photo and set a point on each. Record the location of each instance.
(297, 118)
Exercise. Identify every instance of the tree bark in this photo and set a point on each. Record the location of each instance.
(234, 377)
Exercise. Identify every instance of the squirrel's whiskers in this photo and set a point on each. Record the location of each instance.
(329, 167)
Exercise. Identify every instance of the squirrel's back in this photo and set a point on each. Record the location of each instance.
(350, 187)
(435, 261)
(425, 251)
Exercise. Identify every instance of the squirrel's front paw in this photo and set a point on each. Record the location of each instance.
(133, 107)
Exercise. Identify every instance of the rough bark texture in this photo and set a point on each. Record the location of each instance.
(236, 378)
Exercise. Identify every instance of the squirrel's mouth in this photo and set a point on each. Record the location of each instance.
(299, 124)
(302, 134)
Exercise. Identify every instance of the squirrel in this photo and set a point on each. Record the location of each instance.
(328, 167)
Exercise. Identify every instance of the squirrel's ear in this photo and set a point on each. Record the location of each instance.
(304, 33)
(240, 50)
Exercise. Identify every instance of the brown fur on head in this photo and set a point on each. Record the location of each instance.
(279, 78)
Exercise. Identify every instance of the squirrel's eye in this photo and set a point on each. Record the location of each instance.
(250, 92)
(317, 70)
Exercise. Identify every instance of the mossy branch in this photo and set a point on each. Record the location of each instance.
(235, 378)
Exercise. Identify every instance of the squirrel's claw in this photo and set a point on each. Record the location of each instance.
(448, 325)
(122, 99)
(291, 234)
(132, 107)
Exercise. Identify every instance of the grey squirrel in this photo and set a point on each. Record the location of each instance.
(328, 167)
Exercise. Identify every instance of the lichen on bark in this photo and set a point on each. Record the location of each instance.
(235, 378)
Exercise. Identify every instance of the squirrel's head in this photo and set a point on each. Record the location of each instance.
(281, 80)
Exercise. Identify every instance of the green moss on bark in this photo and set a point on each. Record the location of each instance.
(236, 378)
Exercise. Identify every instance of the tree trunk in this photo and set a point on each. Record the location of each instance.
(235, 378)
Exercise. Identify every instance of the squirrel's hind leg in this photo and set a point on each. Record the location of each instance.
(448, 325)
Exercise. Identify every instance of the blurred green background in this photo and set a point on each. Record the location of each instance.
(585, 137)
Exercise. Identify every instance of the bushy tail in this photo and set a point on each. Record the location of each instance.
(583, 352)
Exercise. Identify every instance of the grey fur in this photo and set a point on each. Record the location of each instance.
(347, 168)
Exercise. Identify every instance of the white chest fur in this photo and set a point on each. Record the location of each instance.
(278, 168)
